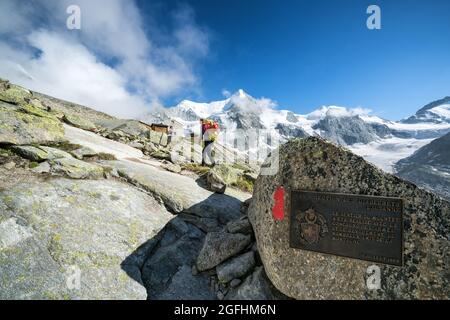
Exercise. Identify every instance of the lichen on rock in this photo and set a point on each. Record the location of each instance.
(19, 126)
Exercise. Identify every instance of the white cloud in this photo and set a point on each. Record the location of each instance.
(249, 104)
(226, 93)
(77, 65)
(335, 111)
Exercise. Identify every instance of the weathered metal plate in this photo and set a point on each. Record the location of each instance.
(361, 227)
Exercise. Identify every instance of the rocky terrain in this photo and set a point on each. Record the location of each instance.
(95, 207)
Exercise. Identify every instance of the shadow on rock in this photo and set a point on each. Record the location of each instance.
(203, 254)
(164, 264)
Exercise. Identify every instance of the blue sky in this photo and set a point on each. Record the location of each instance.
(130, 56)
(305, 54)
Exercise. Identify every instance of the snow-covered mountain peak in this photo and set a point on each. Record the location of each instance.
(245, 103)
(378, 140)
(190, 110)
(434, 112)
(241, 93)
(336, 112)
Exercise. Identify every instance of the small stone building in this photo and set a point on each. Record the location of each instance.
(160, 127)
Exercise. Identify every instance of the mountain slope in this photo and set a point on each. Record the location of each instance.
(435, 112)
(429, 166)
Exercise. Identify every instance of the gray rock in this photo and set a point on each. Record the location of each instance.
(172, 167)
(75, 168)
(150, 147)
(313, 164)
(22, 128)
(53, 153)
(204, 224)
(194, 270)
(13, 93)
(185, 286)
(43, 167)
(31, 153)
(241, 225)
(9, 165)
(236, 267)
(215, 183)
(181, 193)
(245, 205)
(132, 128)
(51, 229)
(79, 122)
(40, 153)
(235, 282)
(167, 272)
(161, 154)
(218, 247)
(82, 152)
(228, 174)
(137, 145)
(255, 287)
(100, 144)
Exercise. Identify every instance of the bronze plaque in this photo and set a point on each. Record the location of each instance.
(361, 227)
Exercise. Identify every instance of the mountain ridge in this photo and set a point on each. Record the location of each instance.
(365, 134)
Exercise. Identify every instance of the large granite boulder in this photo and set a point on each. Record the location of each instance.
(315, 165)
(73, 239)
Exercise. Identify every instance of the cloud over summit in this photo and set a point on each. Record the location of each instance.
(113, 63)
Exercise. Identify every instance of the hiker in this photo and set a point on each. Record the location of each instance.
(210, 131)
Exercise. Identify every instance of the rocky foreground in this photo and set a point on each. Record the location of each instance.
(92, 207)
(95, 207)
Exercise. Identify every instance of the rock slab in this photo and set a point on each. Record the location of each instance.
(218, 247)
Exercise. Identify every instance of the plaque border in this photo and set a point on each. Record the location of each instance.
(288, 206)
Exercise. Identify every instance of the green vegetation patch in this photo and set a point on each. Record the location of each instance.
(244, 184)
(194, 167)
